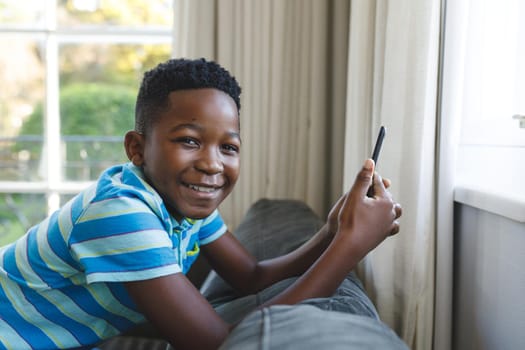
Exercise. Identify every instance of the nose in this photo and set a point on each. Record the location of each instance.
(210, 162)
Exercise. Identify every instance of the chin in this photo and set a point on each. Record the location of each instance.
(198, 214)
(194, 211)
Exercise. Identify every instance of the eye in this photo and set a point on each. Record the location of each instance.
(230, 149)
(187, 141)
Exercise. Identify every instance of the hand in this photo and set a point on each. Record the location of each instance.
(333, 216)
(364, 222)
(332, 221)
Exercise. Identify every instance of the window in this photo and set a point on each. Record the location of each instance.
(70, 71)
(494, 73)
(491, 150)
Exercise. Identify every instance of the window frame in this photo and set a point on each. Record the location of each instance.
(53, 185)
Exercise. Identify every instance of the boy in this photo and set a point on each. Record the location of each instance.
(116, 255)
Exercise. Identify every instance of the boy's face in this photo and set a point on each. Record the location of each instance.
(191, 154)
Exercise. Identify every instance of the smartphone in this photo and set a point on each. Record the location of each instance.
(379, 143)
(375, 154)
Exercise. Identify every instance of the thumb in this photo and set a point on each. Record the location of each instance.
(363, 180)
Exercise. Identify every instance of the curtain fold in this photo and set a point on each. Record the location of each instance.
(392, 81)
(454, 22)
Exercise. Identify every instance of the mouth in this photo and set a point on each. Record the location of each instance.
(203, 188)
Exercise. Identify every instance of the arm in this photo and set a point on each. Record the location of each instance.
(179, 312)
(249, 276)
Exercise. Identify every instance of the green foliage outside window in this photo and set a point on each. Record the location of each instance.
(18, 212)
(95, 117)
(98, 87)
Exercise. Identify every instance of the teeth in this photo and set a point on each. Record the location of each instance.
(202, 188)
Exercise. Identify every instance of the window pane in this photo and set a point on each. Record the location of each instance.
(22, 14)
(494, 76)
(21, 96)
(18, 212)
(98, 88)
(151, 13)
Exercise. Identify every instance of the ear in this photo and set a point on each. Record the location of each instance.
(134, 145)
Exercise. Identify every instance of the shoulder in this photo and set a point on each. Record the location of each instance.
(209, 228)
(120, 198)
(125, 185)
(124, 180)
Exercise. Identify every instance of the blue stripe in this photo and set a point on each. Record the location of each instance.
(132, 261)
(61, 250)
(82, 333)
(105, 186)
(191, 243)
(10, 267)
(85, 301)
(11, 316)
(57, 243)
(115, 225)
(76, 207)
(211, 228)
(130, 178)
(120, 292)
(41, 268)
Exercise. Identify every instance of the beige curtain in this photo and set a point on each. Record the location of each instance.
(290, 59)
(318, 79)
(392, 81)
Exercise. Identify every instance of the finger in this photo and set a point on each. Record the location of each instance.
(340, 201)
(334, 212)
(386, 182)
(395, 228)
(398, 210)
(364, 178)
(379, 189)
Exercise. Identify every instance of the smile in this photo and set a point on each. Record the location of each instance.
(205, 189)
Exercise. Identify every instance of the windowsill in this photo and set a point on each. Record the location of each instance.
(490, 178)
(506, 205)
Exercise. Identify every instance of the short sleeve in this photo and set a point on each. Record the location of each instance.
(121, 239)
(212, 228)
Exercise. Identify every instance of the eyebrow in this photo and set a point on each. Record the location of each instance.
(235, 135)
(199, 128)
(187, 126)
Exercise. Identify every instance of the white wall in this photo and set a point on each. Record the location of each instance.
(489, 281)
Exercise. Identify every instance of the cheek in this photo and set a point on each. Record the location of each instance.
(161, 157)
(234, 168)
(156, 164)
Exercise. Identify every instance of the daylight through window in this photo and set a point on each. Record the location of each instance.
(70, 72)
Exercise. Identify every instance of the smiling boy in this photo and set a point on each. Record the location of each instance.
(116, 255)
(191, 153)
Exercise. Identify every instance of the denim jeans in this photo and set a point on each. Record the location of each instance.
(307, 327)
(346, 320)
(350, 297)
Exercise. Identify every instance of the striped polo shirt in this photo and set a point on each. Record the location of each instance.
(61, 283)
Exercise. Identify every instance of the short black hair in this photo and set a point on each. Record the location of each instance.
(179, 74)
